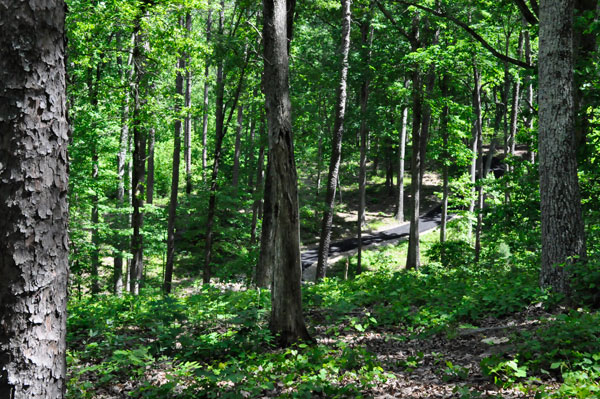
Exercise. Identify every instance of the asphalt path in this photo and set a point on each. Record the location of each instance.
(427, 221)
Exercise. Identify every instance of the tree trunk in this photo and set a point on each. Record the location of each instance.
(258, 190)
(401, 156)
(336, 145)
(584, 43)
(121, 161)
(287, 322)
(187, 131)
(478, 133)
(150, 173)
(220, 131)
(445, 161)
(476, 103)
(219, 120)
(413, 255)
(529, 84)
(206, 82)
(175, 179)
(33, 200)
(249, 159)
(238, 147)
(563, 240)
(95, 261)
(366, 30)
(319, 165)
(138, 173)
(514, 112)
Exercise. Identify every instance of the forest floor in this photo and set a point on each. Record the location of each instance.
(455, 330)
(445, 365)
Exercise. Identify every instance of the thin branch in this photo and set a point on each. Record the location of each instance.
(527, 14)
(470, 31)
(390, 17)
(255, 28)
(535, 7)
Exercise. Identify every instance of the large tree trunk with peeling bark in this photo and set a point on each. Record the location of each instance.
(33, 200)
(287, 321)
(336, 145)
(563, 241)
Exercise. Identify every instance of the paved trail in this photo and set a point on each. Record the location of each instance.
(428, 221)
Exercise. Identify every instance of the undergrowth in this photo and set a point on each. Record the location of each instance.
(215, 342)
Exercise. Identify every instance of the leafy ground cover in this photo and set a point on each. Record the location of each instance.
(444, 331)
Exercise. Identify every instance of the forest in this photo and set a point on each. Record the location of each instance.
(312, 199)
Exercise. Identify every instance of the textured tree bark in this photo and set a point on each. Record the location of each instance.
(563, 240)
(366, 30)
(336, 145)
(401, 157)
(174, 180)
(33, 200)
(136, 267)
(206, 85)
(287, 322)
(238, 148)
(187, 124)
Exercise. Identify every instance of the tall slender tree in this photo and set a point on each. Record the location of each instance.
(138, 174)
(336, 144)
(181, 66)
(401, 161)
(187, 123)
(205, 95)
(366, 31)
(287, 322)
